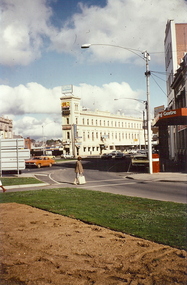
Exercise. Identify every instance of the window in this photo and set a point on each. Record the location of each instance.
(88, 135)
(108, 123)
(76, 121)
(84, 138)
(96, 122)
(68, 135)
(87, 121)
(100, 122)
(92, 136)
(92, 122)
(83, 121)
(67, 121)
(97, 135)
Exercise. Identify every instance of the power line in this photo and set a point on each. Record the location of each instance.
(159, 86)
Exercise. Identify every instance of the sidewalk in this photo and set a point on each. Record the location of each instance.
(161, 176)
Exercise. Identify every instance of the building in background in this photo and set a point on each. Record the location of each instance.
(175, 44)
(86, 132)
(6, 128)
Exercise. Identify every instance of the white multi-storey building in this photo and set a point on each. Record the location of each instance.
(88, 132)
(6, 127)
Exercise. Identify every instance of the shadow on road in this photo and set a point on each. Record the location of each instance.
(110, 165)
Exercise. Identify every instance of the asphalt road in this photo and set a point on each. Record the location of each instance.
(111, 176)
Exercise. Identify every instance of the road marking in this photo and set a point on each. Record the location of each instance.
(106, 185)
(109, 180)
(53, 179)
(41, 174)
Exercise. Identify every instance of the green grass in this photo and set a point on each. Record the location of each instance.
(9, 181)
(161, 222)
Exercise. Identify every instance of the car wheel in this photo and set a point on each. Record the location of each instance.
(39, 165)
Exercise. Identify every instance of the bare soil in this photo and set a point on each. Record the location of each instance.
(41, 248)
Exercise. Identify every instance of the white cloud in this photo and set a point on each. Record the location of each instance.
(102, 98)
(128, 23)
(23, 24)
(26, 28)
(33, 105)
(30, 99)
(29, 126)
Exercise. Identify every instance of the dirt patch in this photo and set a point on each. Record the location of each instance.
(41, 248)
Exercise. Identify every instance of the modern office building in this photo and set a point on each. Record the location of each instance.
(6, 128)
(86, 132)
(175, 44)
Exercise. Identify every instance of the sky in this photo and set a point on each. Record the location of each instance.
(40, 51)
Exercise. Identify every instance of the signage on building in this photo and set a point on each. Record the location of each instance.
(158, 109)
(66, 127)
(67, 89)
(172, 117)
(65, 108)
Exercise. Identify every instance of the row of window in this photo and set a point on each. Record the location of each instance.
(108, 123)
(103, 137)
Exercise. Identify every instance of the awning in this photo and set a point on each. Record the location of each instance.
(172, 117)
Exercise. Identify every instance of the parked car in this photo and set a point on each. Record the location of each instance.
(120, 155)
(140, 160)
(114, 152)
(39, 161)
(66, 156)
(106, 156)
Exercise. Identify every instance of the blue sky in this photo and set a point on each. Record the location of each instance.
(40, 51)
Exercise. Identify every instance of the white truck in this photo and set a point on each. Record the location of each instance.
(13, 155)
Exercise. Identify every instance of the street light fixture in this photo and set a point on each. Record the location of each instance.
(145, 57)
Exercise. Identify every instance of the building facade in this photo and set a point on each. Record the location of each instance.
(86, 132)
(179, 86)
(6, 128)
(175, 44)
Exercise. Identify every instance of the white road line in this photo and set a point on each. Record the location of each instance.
(40, 174)
(105, 185)
(103, 180)
(53, 179)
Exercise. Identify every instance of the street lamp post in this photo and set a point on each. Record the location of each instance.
(146, 57)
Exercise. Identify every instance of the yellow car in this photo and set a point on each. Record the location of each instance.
(39, 161)
(140, 160)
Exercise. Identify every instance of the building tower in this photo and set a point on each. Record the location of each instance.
(70, 106)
